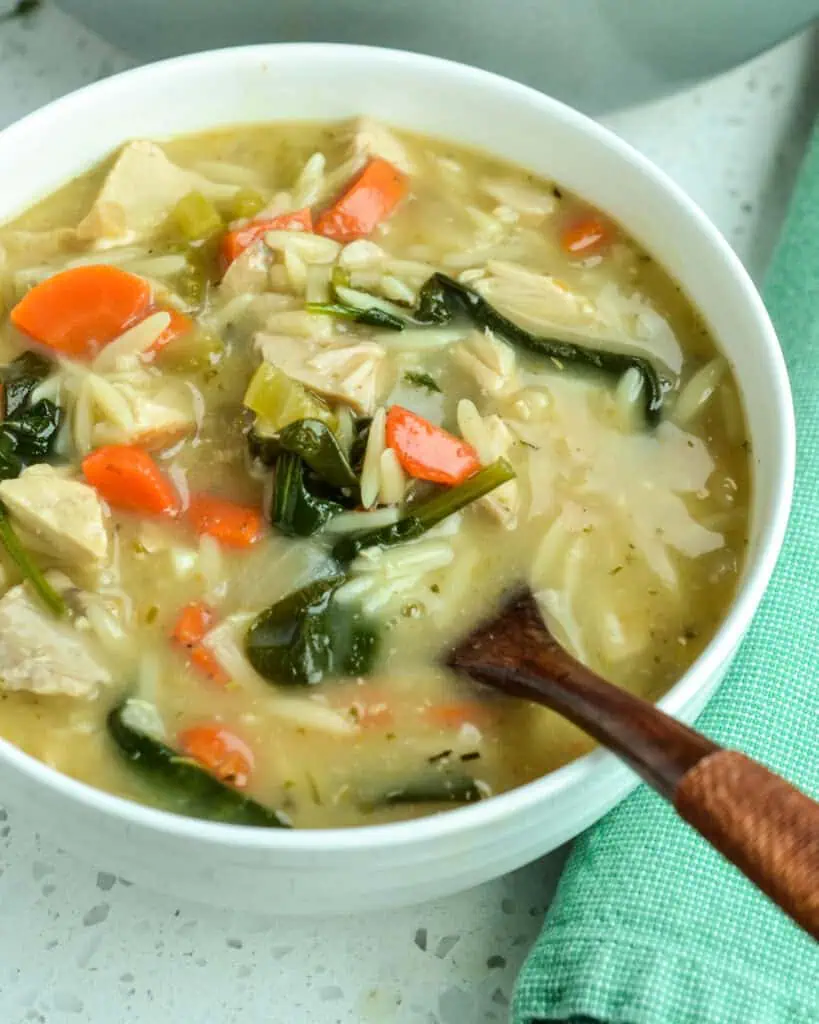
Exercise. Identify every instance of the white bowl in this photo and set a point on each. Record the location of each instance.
(328, 871)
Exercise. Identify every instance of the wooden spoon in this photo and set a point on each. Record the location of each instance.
(761, 823)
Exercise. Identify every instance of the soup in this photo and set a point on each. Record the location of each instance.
(288, 409)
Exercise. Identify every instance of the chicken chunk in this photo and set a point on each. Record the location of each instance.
(44, 655)
(65, 515)
(160, 419)
(492, 439)
(130, 414)
(247, 274)
(369, 138)
(139, 192)
(490, 361)
(342, 373)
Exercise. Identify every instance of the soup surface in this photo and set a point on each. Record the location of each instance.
(389, 375)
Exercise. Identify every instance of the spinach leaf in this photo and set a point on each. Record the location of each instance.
(442, 299)
(295, 510)
(306, 636)
(28, 432)
(186, 788)
(20, 378)
(34, 431)
(436, 784)
(263, 448)
(316, 445)
(428, 514)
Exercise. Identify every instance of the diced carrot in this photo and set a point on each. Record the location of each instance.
(453, 716)
(428, 452)
(179, 325)
(219, 751)
(235, 242)
(128, 478)
(585, 235)
(371, 198)
(237, 526)
(78, 311)
(193, 623)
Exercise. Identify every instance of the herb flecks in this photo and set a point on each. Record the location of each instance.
(422, 380)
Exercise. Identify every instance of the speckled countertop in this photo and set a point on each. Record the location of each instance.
(78, 945)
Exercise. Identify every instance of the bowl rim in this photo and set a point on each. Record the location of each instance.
(588, 769)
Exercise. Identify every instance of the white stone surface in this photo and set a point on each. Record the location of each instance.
(81, 946)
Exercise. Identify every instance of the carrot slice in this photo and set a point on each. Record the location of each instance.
(585, 235)
(179, 325)
(235, 242)
(236, 526)
(78, 311)
(428, 452)
(128, 478)
(219, 751)
(193, 623)
(371, 198)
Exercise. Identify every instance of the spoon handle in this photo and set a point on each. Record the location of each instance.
(762, 824)
(757, 820)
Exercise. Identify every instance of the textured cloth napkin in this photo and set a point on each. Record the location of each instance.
(649, 925)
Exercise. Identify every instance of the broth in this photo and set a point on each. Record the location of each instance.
(631, 533)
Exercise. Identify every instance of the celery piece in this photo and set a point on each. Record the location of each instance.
(195, 217)
(196, 350)
(246, 203)
(279, 400)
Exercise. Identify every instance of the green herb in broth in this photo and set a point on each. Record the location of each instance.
(180, 783)
(421, 380)
(435, 785)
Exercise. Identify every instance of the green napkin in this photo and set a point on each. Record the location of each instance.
(649, 925)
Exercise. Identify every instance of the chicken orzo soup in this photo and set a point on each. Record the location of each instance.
(287, 409)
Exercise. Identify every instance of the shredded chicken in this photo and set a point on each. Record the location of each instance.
(44, 655)
(490, 361)
(491, 439)
(344, 373)
(247, 274)
(369, 138)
